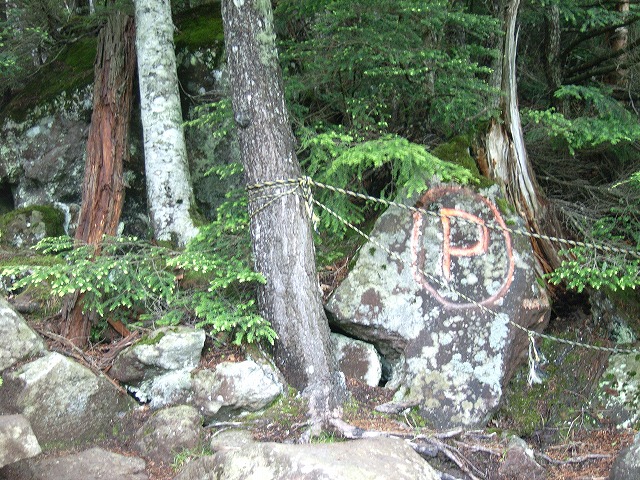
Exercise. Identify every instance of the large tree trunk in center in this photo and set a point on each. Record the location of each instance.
(503, 156)
(107, 149)
(280, 229)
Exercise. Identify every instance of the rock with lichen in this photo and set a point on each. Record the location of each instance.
(440, 294)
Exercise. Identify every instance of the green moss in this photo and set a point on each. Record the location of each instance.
(151, 339)
(31, 260)
(52, 217)
(71, 70)
(505, 207)
(200, 27)
(456, 151)
(563, 397)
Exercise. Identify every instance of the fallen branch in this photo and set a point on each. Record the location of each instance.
(579, 459)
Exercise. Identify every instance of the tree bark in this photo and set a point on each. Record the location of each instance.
(503, 156)
(553, 69)
(618, 42)
(169, 190)
(280, 228)
(107, 149)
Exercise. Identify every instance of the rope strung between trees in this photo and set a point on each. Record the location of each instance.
(307, 182)
(302, 188)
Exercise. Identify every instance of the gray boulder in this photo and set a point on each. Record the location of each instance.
(234, 388)
(371, 459)
(17, 440)
(627, 464)
(357, 359)
(157, 369)
(169, 432)
(92, 464)
(64, 401)
(618, 398)
(17, 341)
(48, 144)
(440, 308)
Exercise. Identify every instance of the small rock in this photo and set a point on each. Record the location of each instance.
(235, 387)
(164, 350)
(357, 359)
(231, 439)
(373, 459)
(64, 401)
(169, 432)
(519, 463)
(619, 391)
(17, 440)
(203, 468)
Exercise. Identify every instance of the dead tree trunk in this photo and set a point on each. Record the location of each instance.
(502, 155)
(280, 229)
(107, 149)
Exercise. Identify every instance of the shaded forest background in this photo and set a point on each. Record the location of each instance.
(378, 92)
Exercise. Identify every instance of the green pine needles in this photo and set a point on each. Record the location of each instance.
(211, 284)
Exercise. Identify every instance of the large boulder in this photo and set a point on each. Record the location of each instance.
(42, 155)
(17, 440)
(93, 464)
(17, 341)
(618, 397)
(158, 368)
(65, 402)
(442, 307)
(234, 388)
(373, 459)
(626, 466)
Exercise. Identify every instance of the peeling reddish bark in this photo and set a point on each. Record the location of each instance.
(107, 149)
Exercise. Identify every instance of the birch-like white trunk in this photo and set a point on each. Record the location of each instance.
(169, 190)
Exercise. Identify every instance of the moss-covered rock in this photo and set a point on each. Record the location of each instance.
(25, 227)
(69, 72)
(458, 151)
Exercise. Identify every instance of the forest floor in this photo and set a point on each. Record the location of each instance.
(581, 453)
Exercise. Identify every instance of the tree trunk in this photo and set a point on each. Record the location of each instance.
(107, 149)
(618, 41)
(169, 191)
(280, 229)
(553, 69)
(503, 156)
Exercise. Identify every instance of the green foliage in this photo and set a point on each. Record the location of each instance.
(210, 283)
(379, 66)
(200, 27)
(599, 119)
(337, 159)
(587, 269)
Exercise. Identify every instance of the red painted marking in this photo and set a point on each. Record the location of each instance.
(479, 248)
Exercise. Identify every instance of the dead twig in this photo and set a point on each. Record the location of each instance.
(579, 459)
